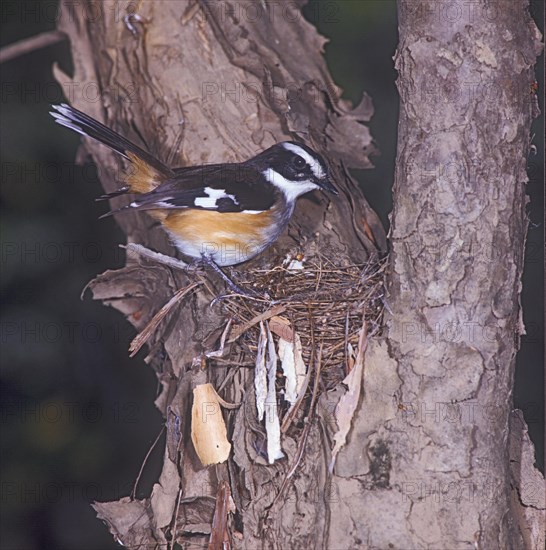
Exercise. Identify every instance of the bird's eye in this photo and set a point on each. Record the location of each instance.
(299, 163)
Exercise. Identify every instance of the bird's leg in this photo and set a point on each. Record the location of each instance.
(139, 250)
(234, 287)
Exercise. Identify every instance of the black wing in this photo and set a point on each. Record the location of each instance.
(219, 187)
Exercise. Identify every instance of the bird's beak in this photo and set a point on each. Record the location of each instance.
(327, 186)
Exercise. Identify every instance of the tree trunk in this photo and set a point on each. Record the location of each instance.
(204, 82)
(435, 471)
(426, 464)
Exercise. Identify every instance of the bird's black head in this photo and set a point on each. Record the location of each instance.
(294, 168)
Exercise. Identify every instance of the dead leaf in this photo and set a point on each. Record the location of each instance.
(260, 373)
(208, 429)
(129, 522)
(293, 367)
(238, 331)
(348, 403)
(281, 327)
(272, 422)
(164, 493)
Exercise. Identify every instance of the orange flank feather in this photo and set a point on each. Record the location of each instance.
(141, 177)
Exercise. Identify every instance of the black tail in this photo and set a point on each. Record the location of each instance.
(84, 124)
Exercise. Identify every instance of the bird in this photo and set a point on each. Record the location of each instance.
(222, 214)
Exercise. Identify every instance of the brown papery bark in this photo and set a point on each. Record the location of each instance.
(203, 82)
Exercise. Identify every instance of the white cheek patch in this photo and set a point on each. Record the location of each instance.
(313, 163)
(213, 196)
(291, 189)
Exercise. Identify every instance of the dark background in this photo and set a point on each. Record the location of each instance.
(77, 415)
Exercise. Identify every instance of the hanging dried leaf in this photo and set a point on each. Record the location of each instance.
(272, 422)
(346, 406)
(293, 367)
(129, 522)
(281, 327)
(164, 493)
(260, 373)
(208, 429)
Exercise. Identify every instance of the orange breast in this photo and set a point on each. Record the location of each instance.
(228, 238)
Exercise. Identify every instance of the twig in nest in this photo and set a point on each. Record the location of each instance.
(141, 338)
(346, 343)
(220, 351)
(334, 296)
(276, 310)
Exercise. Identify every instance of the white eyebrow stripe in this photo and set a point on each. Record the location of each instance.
(315, 165)
(213, 195)
(291, 189)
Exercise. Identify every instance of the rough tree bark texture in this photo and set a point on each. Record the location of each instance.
(426, 465)
(202, 82)
(435, 456)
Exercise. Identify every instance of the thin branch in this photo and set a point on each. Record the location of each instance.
(133, 492)
(134, 250)
(178, 499)
(28, 45)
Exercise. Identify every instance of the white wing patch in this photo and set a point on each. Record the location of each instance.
(159, 204)
(314, 164)
(291, 189)
(213, 196)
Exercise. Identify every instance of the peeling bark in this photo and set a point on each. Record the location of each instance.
(202, 82)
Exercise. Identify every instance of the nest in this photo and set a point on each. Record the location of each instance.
(322, 315)
(325, 304)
